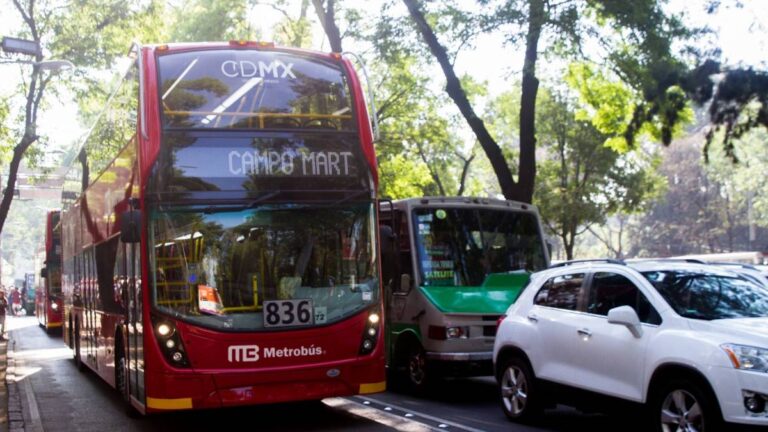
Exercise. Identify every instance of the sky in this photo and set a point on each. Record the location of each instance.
(742, 33)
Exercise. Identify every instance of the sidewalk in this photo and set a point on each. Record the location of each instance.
(3, 387)
(11, 411)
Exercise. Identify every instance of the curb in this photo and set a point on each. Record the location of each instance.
(15, 408)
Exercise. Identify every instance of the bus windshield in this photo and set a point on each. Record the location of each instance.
(461, 246)
(237, 88)
(219, 268)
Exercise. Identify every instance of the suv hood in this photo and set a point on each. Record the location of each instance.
(750, 331)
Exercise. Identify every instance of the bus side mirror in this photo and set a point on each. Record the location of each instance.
(130, 226)
(405, 283)
(44, 272)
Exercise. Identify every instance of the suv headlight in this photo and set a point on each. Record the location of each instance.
(747, 357)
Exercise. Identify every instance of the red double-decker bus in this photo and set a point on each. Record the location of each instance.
(48, 298)
(220, 240)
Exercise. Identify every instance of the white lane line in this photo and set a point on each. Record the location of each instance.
(381, 417)
(439, 421)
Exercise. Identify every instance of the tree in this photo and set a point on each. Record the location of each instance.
(638, 36)
(697, 214)
(204, 20)
(34, 91)
(581, 181)
(326, 13)
(409, 115)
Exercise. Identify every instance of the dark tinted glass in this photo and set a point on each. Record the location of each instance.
(710, 296)
(561, 292)
(611, 290)
(254, 90)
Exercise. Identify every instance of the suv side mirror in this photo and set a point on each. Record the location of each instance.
(627, 316)
(130, 226)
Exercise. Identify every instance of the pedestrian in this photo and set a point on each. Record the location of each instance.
(15, 301)
(3, 308)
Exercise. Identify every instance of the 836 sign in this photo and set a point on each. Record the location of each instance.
(284, 313)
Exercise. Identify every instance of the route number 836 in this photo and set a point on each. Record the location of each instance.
(284, 313)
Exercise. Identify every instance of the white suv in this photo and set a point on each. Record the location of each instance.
(687, 341)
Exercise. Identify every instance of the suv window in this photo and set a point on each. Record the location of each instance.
(611, 290)
(561, 292)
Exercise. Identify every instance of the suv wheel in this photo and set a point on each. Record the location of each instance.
(518, 391)
(686, 406)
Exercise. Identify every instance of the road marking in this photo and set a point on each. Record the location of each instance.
(439, 424)
(358, 409)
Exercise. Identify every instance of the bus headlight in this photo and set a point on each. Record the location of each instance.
(54, 306)
(170, 342)
(371, 333)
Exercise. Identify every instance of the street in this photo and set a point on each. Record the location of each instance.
(63, 399)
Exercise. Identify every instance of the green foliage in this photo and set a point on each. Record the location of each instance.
(290, 31)
(94, 33)
(740, 105)
(743, 180)
(5, 131)
(616, 110)
(581, 181)
(402, 177)
(209, 20)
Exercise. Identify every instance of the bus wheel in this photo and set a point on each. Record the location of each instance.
(78, 362)
(121, 382)
(417, 368)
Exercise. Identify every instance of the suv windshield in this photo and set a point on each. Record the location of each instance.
(217, 266)
(461, 246)
(710, 296)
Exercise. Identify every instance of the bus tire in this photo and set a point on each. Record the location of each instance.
(417, 376)
(121, 378)
(76, 351)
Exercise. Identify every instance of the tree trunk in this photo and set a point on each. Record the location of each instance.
(18, 153)
(509, 187)
(328, 21)
(530, 87)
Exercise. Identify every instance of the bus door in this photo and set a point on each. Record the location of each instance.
(90, 308)
(134, 308)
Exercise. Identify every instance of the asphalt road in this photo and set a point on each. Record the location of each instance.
(56, 397)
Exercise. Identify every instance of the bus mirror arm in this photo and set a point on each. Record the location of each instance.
(44, 272)
(130, 226)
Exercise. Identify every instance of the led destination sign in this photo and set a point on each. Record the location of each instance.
(210, 163)
(291, 163)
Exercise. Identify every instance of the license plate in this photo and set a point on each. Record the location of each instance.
(285, 313)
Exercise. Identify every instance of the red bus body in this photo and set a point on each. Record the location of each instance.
(48, 299)
(135, 326)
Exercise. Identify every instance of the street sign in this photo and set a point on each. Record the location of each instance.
(21, 46)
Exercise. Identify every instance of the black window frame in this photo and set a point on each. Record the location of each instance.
(546, 286)
(650, 316)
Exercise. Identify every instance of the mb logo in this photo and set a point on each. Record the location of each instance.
(243, 353)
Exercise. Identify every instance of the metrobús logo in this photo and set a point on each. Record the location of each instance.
(252, 353)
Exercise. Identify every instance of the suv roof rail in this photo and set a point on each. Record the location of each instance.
(732, 264)
(579, 261)
(687, 260)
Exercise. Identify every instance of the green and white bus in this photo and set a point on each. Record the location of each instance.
(451, 267)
